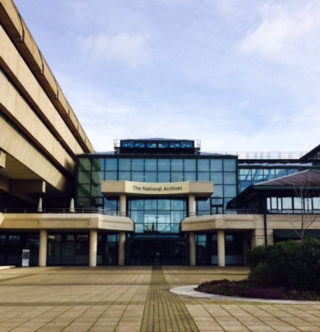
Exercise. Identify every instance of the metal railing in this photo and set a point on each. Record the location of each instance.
(61, 210)
(268, 154)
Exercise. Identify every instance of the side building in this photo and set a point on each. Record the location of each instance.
(40, 139)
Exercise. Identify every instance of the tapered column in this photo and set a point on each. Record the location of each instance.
(192, 248)
(93, 248)
(43, 247)
(192, 205)
(123, 205)
(221, 249)
(121, 249)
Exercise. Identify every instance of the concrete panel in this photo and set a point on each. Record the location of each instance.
(18, 71)
(219, 221)
(32, 47)
(18, 147)
(2, 159)
(201, 188)
(13, 105)
(18, 32)
(10, 16)
(46, 72)
(66, 221)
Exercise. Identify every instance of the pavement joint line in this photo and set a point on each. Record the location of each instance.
(265, 322)
(62, 313)
(125, 309)
(18, 277)
(228, 311)
(279, 318)
(29, 319)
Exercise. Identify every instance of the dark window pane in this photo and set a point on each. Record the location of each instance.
(84, 164)
(229, 178)
(163, 177)
(176, 164)
(151, 164)
(190, 176)
(229, 165)
(216, 165)
(124, 164)
(176, 176)
(111, 164)
(203, 176)
(137, 164)
(111, 176)
(151, 176)
(216, 177)
(164, 164)
(203, 164)
(124, 176)
(84, 177)
(189, 164)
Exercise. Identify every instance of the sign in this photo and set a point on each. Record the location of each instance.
(144, 188)
(25, 257)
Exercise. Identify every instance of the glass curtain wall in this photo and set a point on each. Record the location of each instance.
(92, 171)
(157, 215)
(249, 176)
(11, 245)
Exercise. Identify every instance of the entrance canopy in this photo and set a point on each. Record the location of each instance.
(130, 188)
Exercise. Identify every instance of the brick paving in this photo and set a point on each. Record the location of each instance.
(135, 299)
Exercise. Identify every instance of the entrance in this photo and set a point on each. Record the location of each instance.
(157, 251)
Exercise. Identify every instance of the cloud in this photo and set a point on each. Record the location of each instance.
(123, 49)
(286, 35)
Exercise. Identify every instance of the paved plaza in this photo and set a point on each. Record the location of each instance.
(135, 299)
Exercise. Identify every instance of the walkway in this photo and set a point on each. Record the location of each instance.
(135, 299)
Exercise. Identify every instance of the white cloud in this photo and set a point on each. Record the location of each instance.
(287, 35)
(123, 48)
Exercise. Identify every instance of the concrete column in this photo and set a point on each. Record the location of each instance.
(43, 247)
(93, 248)
(121, 249)
(221, 249)
(192, 205)
(192, 248)
(123, 205)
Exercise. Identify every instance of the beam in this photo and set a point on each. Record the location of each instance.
(2, 159)
(24, 152)
(28, 186)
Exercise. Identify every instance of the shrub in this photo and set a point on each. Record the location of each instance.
(257, 255)
(291, 264)
(265, 293)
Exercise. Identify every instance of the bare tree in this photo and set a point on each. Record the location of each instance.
(308, 203)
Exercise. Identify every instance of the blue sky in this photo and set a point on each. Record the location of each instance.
(241, 75)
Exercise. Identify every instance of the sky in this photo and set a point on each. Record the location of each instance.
(240, 75)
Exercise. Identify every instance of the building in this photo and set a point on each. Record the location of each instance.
(150, 201)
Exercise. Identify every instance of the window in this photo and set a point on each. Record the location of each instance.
(203, 164)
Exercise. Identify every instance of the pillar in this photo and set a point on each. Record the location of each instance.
(43, 247)
(121, 249)
(192, 205)
(123, 205)
(93, 248)
(192, 248)
(221, 249)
